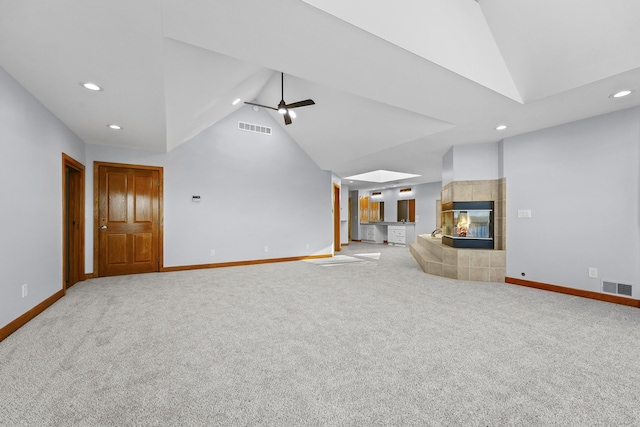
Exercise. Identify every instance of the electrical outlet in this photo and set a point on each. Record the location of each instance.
(266, 248)
(24, 290)
(593, 272)
(213, 252)
(307, 246)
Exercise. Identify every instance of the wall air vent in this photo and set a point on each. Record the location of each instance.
(609, 287)
(624, 289)
(617, 288)
(249, 127)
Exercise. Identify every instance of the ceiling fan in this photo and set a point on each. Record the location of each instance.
(284, 108)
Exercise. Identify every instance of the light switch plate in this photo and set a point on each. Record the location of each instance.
(524, 213)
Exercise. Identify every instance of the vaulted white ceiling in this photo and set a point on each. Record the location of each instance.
(395, 84)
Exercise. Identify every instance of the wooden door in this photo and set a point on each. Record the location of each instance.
(412, 210)
(73, 221)
(128, 220)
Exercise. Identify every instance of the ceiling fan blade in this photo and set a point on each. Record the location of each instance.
(260, 105)
(300, 103)
(283, 106)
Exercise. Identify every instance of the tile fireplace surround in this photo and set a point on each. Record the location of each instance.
(483, 265)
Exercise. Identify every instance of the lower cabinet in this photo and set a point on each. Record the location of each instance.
(372, 233)
(393, 234)
(396, 235)
(399, 234)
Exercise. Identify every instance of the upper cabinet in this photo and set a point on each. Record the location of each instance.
(364, 208)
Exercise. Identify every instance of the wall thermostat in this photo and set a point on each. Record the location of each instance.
(195, 198)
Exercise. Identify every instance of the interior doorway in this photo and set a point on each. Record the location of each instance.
(73, 270)
(349, 221)
(127, 219)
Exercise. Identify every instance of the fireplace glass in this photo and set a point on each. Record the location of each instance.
(468, 224)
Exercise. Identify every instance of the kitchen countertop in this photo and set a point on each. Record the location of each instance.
(387, 223)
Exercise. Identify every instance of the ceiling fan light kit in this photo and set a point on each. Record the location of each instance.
(284, 108)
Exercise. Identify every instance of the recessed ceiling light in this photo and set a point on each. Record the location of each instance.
(501, 127)
(91, 86)
(621, 94)
(114, 126)
(236, 101)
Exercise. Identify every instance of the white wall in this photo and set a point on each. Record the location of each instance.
(581, 182)
(256, 191)
(32, 141)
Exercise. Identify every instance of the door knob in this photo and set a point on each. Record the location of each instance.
(103, 227)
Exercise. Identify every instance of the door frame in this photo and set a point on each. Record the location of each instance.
(337, 247)
(70, 163)
(96, 224)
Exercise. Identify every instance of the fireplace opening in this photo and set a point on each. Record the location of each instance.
(468, 224)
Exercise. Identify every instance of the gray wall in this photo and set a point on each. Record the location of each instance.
(471, 162)
(425, 196)
(256, 191)
(476, 162)
(581, 182)
(447, 167)
(344, 214)
(32, 141)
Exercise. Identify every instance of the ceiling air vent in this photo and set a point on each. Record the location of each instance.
(250, 127)
(617, 288)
